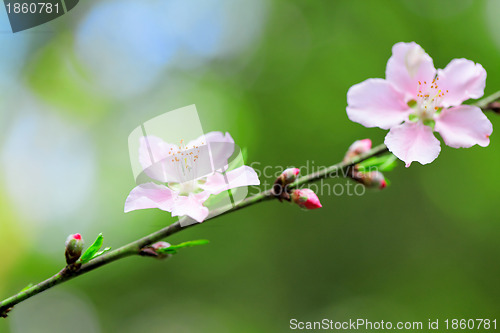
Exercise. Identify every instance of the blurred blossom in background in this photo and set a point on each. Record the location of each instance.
(275, 75)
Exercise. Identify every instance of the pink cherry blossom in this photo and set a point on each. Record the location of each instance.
(185, 175)
(415, 100)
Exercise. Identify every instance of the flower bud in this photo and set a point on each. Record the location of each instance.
(74, 248)
(289, 175)
(153, 250)
(357, 148)
(306, 198)
(280, 185)
(160, 245)
(371, 179)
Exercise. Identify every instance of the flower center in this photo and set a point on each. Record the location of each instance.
(185, 188)
(184, 156)
(184, 159)
(428, 102)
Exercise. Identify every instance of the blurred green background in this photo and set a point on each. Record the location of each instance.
(275, 75)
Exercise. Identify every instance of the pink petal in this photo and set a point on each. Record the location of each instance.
(413, 142)
(464, 126)
(460, 80)
(409, 64)
(221, 147)
(156, 161)
(242, 176)
(375, 102)
(150, 195)
(191, 206)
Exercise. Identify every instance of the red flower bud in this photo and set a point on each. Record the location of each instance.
(371, 179)
(74, 248)
(306, 198)
(357, 148)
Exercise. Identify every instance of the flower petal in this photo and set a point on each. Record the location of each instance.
(460, 80)
(413, 142)
(221, 147)
(150, 195)
(464, 126)
(409, 64)
(191, 206)
(242, 176)
(155, 157)
(375, 102)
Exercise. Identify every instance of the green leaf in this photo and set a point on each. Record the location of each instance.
(381, 163)
(92, 250)
(389, 164)
(100, 253)
(173, 248)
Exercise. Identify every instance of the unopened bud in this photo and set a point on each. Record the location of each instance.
(289, 175)
(371, 179)
(74, 248)
(306, 198)
(357, 148)
(280, 185)
(160, 245)
(154, 250)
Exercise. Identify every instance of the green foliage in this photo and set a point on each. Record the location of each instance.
(173, 248)
(381, 163)
(93, 251)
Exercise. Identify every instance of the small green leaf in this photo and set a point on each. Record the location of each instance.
(100, 253)
(382, 163)
(389, 164)
(92, 250)
(413, 117)
(173, 248)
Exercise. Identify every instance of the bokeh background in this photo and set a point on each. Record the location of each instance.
(275, 75)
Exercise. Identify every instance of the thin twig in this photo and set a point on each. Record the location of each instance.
(485, 102)
(134, 248)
